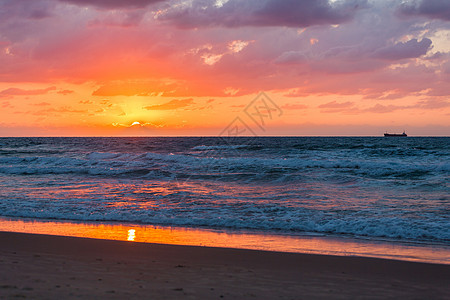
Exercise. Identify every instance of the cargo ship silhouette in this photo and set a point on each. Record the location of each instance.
(395, 134)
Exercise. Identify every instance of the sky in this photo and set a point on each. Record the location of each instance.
(224, 67)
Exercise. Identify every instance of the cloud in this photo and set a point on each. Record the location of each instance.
(437, 56)
(31, 10)
(85, 102)
(238, 13)
(152, 58)
(173, 104)
(294, 106)
(334, 104)
(6, 104)
(57, 111)
(112, 4)
(337, 107)
(125, 88)
(410, 49)
(291, 57)
(22, 92)
(41, 104)
(138, 124)
(349, 107)
(386, 95)
(433, 103)
(434, 9)
(379, 108)
(119, 18)
(65, 92)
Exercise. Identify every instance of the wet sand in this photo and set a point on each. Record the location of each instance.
(53, 267)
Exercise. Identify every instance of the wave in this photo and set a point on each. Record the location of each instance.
(219, 147)
(246, 217)
(155, 165)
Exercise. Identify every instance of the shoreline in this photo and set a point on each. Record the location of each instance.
(44, 266)
(308, 244)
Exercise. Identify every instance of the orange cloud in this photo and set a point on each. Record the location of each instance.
(41, 104)
(65, 92)
(173, 104)
(294, 106)
(133, 88)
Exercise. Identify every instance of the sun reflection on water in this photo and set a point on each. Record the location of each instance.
(214, 238)
(131, 235)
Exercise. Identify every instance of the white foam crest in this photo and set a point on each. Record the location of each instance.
(255, 219)
(106, 163)
(218, 147)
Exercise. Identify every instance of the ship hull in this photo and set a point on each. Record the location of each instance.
(395, 135)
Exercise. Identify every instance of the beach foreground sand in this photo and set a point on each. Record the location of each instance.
(53, 267)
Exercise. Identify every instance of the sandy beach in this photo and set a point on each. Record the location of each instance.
(53, 267)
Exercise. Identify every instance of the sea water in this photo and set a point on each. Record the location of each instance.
(375, 188)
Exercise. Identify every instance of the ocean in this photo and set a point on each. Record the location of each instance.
(372, 188)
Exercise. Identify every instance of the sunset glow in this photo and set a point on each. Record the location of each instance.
(169, 67)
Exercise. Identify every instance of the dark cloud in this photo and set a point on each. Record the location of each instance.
(237, 13)
(112, 4)
(437, 56)
(410, 49)
(173, 104)
(435, 9)
(39, 14)
(24, 10)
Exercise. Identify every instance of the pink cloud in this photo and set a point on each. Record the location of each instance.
(22, 92)
(123, 50)
(386, 95)
(339, 107)
(433, 103)
(295, 106)
(335, 104)
(113, 4)
(379, 108)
